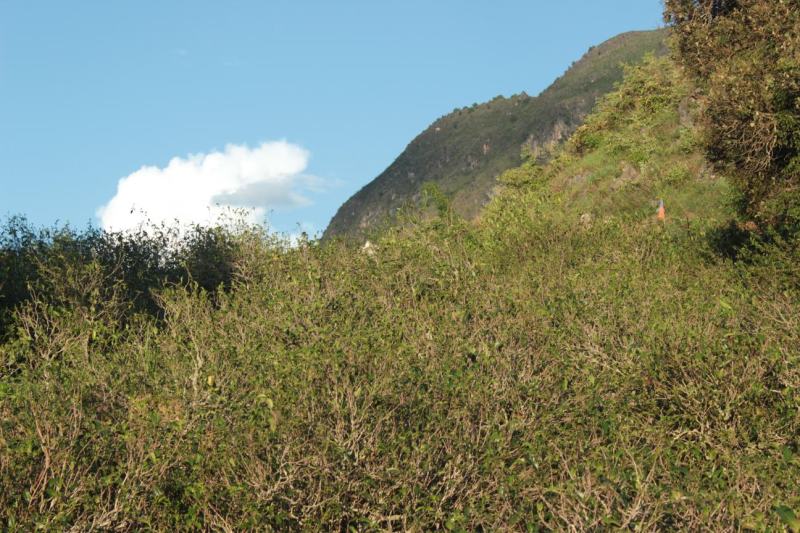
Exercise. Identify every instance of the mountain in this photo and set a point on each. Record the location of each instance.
(465, 151)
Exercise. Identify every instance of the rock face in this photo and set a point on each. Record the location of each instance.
(465, 151)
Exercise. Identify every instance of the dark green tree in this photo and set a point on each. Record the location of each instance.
(745, 56)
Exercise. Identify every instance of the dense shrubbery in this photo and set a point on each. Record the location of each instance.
(745, 55)
(41, 261)
(533, 372)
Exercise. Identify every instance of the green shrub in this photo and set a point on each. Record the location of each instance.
(35, 261)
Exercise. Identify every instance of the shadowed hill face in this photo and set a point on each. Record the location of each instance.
(465, 151)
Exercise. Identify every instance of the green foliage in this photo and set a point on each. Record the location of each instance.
(525, 175)
(639, 145)
(39, 261)
(745, 55)
(533, 371)
(789, 518)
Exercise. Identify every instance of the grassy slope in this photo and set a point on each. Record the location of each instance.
(465, 151)
(531, 371)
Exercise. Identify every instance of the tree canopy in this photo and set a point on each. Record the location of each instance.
(745, 57)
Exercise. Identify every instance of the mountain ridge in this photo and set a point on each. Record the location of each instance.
(464, 151)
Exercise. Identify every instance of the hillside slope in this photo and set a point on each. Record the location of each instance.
(465, 151)
(565, 363)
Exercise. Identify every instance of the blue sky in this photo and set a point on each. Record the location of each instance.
(312, 99)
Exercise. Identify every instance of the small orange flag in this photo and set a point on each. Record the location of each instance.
(661, 214)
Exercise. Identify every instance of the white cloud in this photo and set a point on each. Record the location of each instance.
(201, 188)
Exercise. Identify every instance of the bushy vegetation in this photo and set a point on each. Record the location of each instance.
(539, 370)
(41, 263)
(640, 145)
(745, 56)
